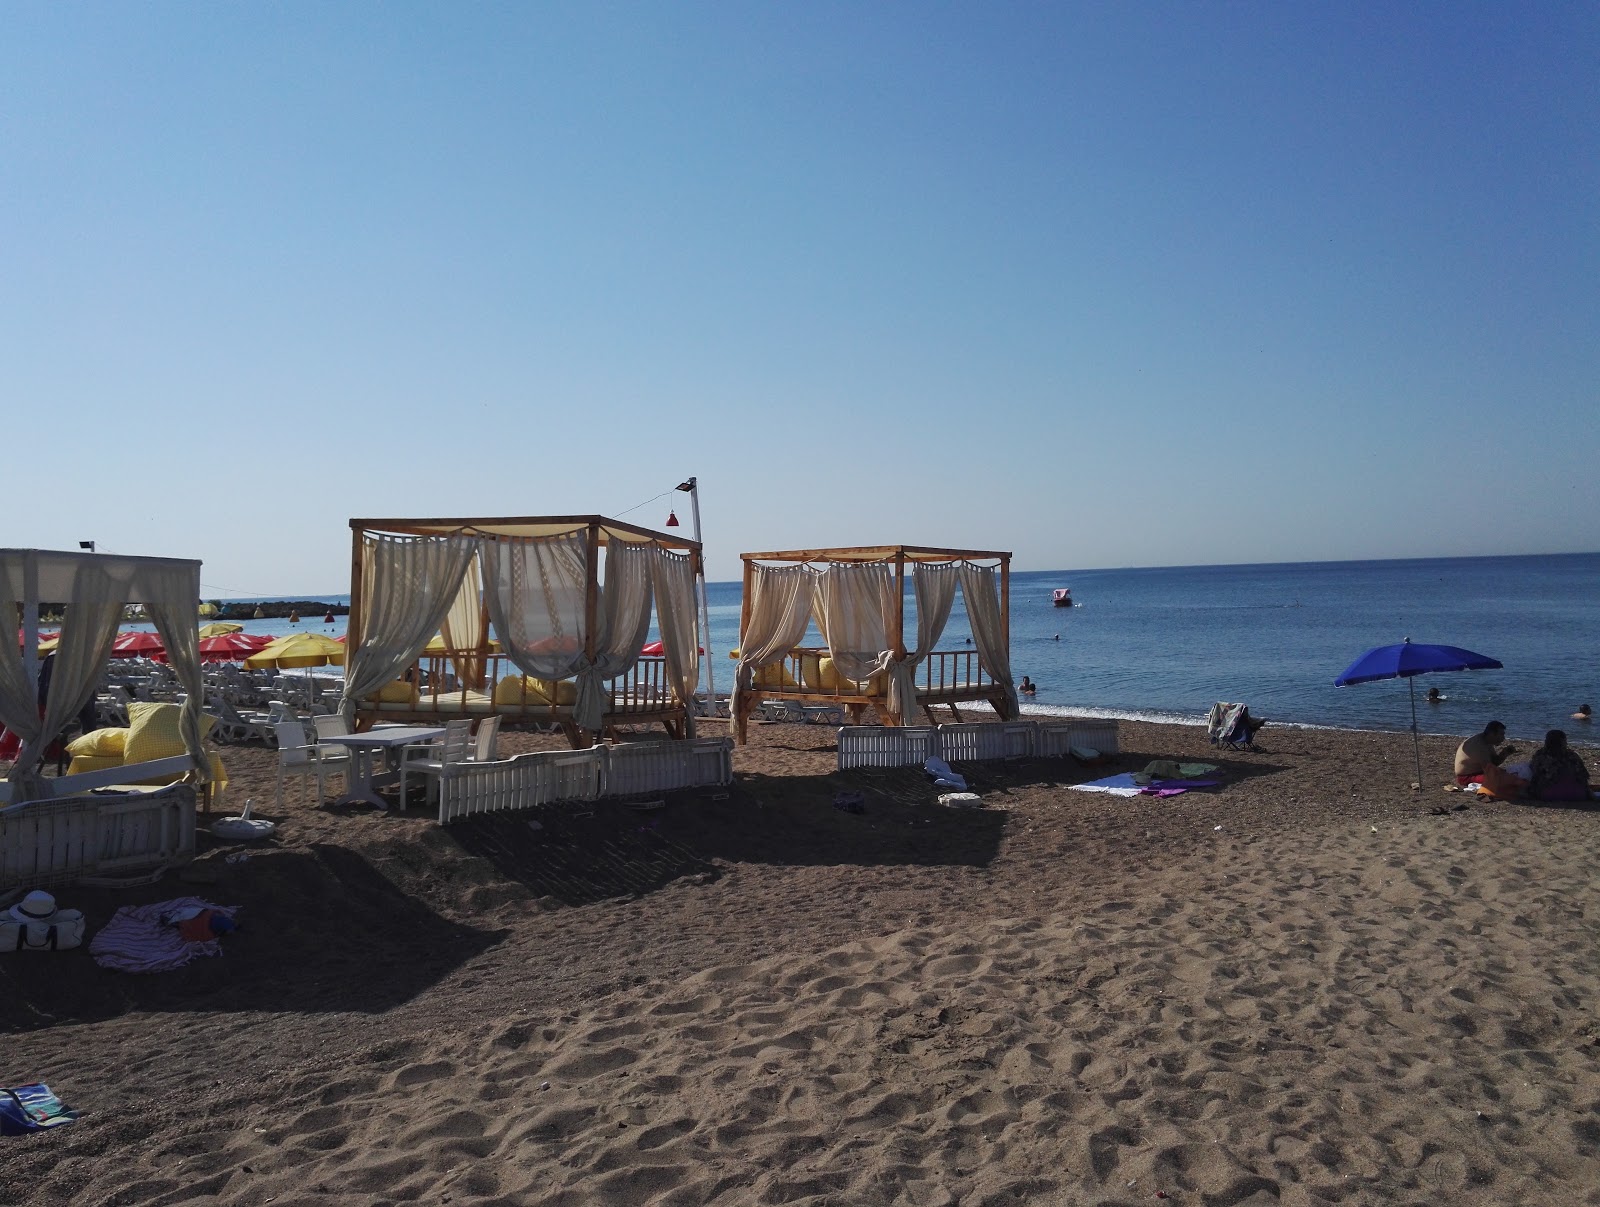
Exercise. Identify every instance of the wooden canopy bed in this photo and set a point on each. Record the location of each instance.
(784, 669)
(559, 628)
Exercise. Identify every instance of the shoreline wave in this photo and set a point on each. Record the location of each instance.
(1197, 720)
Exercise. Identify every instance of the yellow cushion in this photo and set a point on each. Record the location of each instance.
(100, 742)
(84, 763)
(153, 731)
(820, 675)
(398, 692)
(775, 674)
(524, 689)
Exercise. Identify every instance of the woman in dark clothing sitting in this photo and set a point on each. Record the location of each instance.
(1559, 772)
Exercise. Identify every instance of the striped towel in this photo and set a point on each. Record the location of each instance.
(142, 938)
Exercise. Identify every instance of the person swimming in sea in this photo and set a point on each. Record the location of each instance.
(1028, 686)
(1584, 713)
(1434, 697)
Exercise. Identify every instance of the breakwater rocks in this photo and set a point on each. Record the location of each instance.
(309, 610)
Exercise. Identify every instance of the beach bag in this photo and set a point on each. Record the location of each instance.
(60, 932)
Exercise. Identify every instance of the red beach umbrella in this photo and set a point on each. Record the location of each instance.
(655, 649)
(137, 645)
(231, 647)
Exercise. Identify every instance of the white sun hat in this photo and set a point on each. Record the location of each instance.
(37, 906)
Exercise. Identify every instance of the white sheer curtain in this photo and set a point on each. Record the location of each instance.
(780, 610)
(174, 616)
(536, 589)
(407, 585)
(979, 586)
(679, 621)
(464, 629)
(90, 626)
(623, 624)
(855, 608)
(935, 590)
(18, 696)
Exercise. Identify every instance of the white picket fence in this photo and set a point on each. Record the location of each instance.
(1054, 738)
(913, 745)
(887, 745)
(551, 776)
(71, 839)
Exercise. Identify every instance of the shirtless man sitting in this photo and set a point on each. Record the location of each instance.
(1479, 751)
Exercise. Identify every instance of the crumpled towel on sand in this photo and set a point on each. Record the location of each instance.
(1171, 769)
(137, 940)
(943, 775)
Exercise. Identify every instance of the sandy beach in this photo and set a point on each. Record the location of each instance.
(1312, 986)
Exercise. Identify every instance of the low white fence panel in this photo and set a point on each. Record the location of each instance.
(551, 776)
(75, 838)
(1058, 737)
(986, 740)
(541, 778)
(904, 746)
(637, 768)
(887, 745)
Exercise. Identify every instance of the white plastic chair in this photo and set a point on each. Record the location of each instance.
(299, 756)
(428, 759)
(488, 737)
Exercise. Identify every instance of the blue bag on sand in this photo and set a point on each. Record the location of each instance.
(31, 1108)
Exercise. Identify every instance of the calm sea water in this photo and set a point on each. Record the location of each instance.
(1165, 644)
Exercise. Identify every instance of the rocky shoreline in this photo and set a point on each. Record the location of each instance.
(280, 609)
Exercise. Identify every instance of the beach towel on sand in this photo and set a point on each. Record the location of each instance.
(1117, 785)
(31, 1108)
(146, 938)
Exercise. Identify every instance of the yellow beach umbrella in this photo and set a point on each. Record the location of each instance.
(437, 648)
(220, 628)
(298, 649)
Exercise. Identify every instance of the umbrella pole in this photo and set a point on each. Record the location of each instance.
(1416, 741)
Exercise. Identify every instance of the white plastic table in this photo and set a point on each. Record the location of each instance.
(364, 751)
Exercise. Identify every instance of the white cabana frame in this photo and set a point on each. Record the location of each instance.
(856, 597)
(94, 587)
(569, 600)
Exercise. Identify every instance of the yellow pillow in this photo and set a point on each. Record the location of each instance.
(82, 764)
(153, 732)
(398, 692)
(820, 675)
(774, 674)
(525, 689)
(99, 742)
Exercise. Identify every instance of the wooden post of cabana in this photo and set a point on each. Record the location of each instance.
(946, 678)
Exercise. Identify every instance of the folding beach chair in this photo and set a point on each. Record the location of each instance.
(1232, 726)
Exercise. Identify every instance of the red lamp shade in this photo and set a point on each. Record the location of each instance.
(672, 519)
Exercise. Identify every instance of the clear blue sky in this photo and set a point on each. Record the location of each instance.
(1112, 284)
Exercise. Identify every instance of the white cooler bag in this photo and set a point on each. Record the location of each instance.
(59, 932)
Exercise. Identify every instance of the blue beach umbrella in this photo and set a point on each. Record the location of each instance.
(1406, 661)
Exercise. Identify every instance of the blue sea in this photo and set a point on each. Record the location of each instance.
(1164, 644)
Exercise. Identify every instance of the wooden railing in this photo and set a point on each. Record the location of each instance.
(644, 686)
(943, 671)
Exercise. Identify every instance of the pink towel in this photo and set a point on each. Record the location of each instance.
(139, 939)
